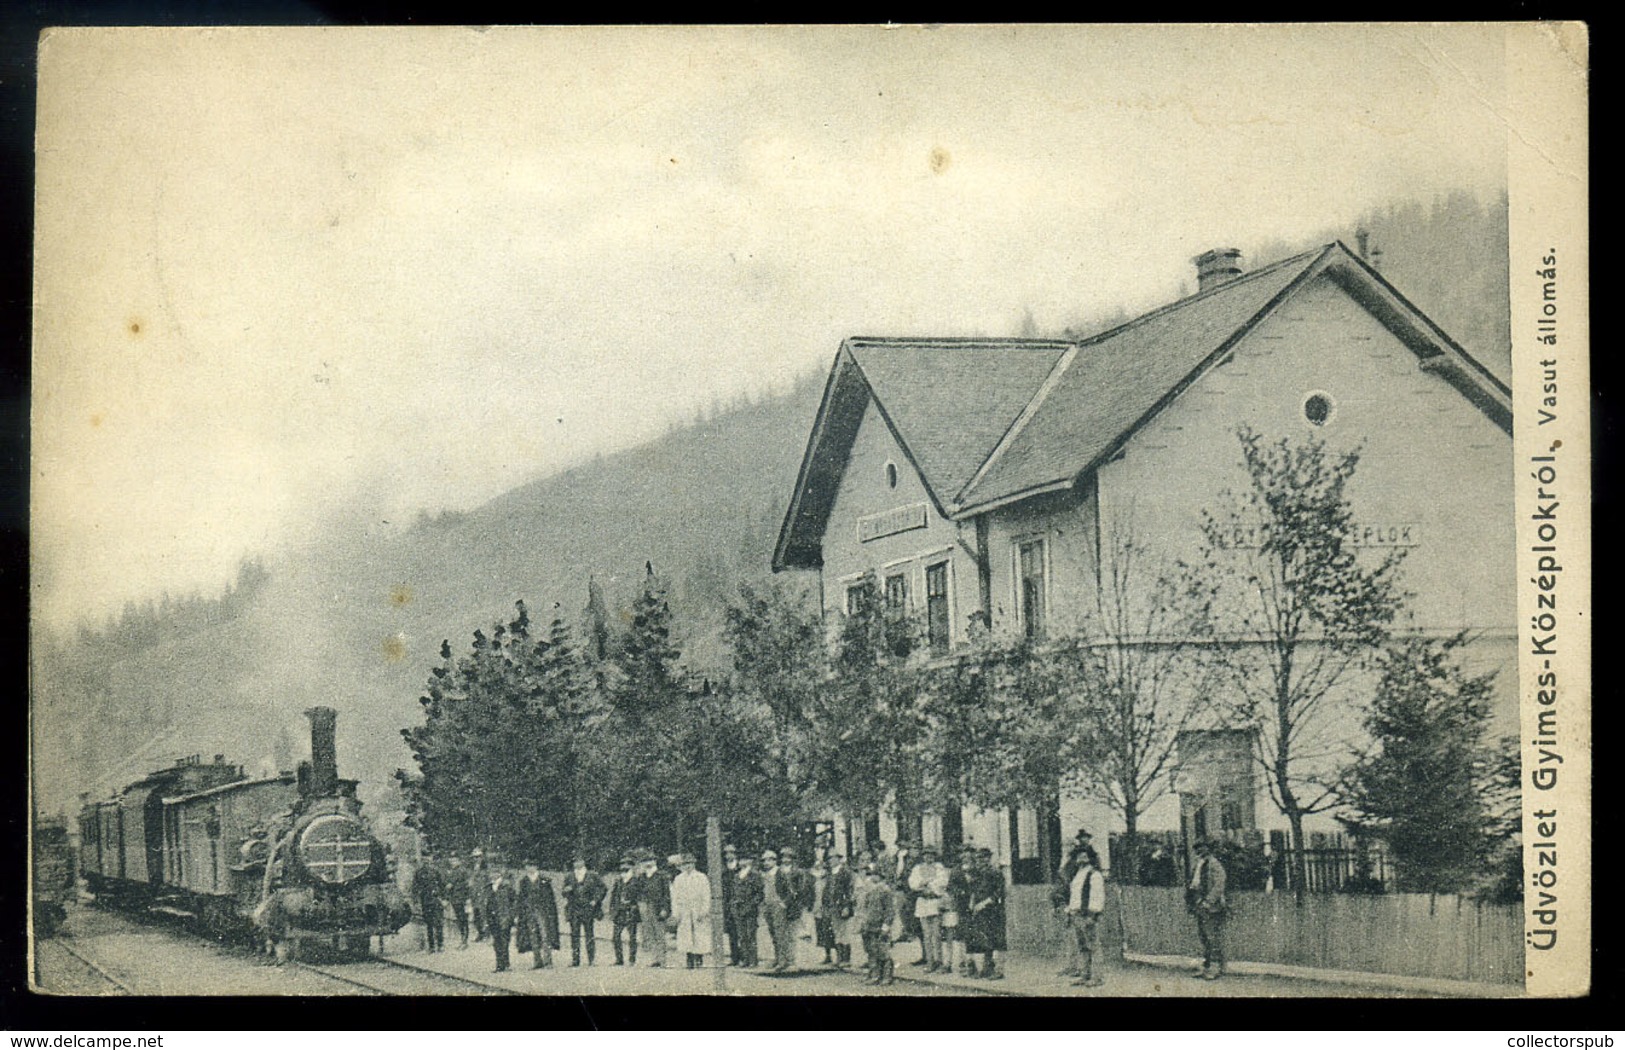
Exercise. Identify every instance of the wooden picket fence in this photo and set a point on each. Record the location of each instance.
(1407, 934)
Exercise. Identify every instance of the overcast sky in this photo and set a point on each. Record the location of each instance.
(283, 269)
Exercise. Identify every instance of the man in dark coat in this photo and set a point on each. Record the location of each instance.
(839, 906)
(583, 906)
(429, 893)
(745, 910)
(959, 891)
(457, 896)
(1069, 867)
(624, 892)
(1206, 899)
(781, 909)
(654, 910)
(730, 875)
(478, 881)
(501, 911)
(798, 884)
(538, 915)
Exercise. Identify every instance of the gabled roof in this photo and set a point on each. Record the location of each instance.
(947, 402)
(989, 422)
(1120, 375)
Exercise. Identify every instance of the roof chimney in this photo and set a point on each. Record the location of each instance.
(1215, 267)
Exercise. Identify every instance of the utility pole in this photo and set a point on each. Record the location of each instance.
(713, 863)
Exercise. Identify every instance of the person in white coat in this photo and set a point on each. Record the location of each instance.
(691, 911)
(928, 882)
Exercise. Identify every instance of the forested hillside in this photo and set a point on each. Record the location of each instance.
(1448, 256)
(356, 619)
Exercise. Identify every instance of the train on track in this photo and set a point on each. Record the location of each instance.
(287, 860)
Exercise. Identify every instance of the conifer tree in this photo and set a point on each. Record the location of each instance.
(1427, 785)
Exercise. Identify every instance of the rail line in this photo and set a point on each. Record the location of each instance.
(86, 963)
(354, 974)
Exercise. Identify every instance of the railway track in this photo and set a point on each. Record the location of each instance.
(388, 977)
(99, 976)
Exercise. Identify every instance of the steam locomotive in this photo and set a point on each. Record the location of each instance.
(286, 859)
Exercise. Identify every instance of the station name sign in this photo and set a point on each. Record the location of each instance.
(1373, 534)
(891, 522)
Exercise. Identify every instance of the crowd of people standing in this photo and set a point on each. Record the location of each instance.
(953, 907)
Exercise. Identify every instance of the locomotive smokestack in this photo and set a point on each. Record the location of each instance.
(324, 760)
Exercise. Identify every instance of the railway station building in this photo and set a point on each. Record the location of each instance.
(984, 478)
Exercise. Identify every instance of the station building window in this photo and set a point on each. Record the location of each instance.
(897, 592)
(936, 607)
(1032, 579)
(857, 595)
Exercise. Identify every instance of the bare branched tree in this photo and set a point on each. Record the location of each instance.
(1300, 608)
(1139, 667)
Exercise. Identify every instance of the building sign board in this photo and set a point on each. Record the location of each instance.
(890, 522)
(1368, 534)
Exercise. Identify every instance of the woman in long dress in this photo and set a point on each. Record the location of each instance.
(984, 933)
(691, 911)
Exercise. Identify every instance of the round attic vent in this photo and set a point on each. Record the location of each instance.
(1318, 408)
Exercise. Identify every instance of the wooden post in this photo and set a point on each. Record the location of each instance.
(713, 863)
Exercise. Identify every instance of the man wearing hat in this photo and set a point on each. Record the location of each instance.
(1086, 900)
(778, 891)
(583, 907)
(928, 882)
(1060, 893)
(478, 884)
(538, 928)
(654, 909)
(745, 909)
(500, 909)
(730, 873)
(797, 883)
(429, 892)
(1069, 867)
(691, 911)
(457, 896)
(840, 907)
(1206, 900)
(623, 910)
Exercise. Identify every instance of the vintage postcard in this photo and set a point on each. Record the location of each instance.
(998, 510)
